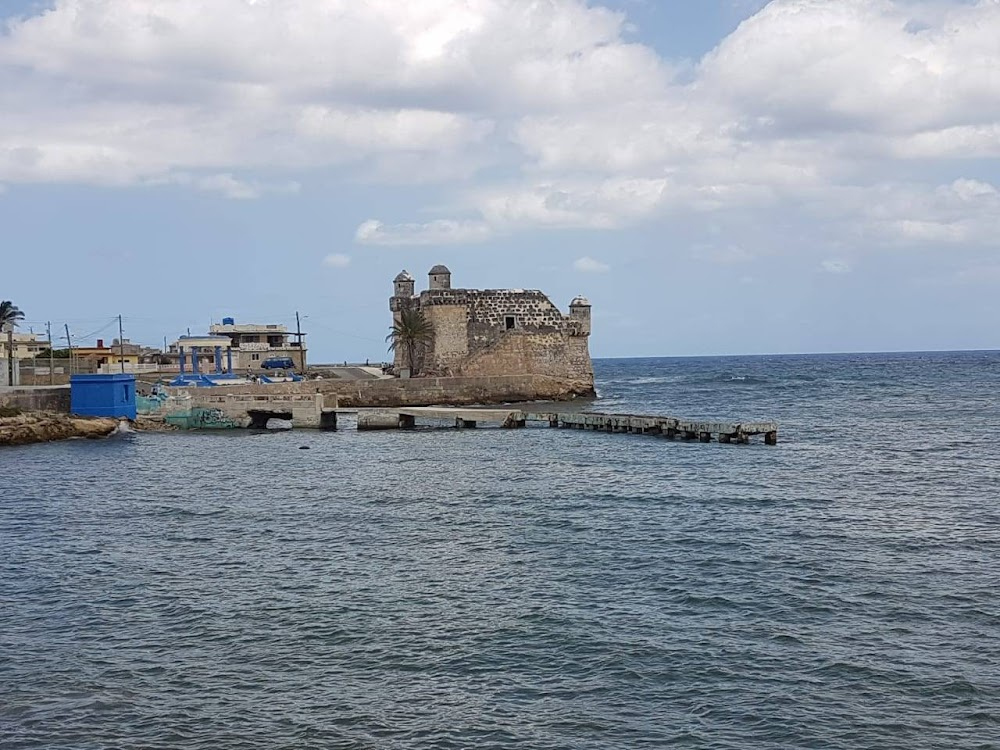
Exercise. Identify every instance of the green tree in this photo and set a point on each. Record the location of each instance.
(9, 315)
(56, 354)
(410, 334)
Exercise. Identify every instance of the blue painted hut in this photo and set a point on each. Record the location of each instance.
(103, 395)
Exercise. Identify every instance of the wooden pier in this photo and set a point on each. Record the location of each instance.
(669, 427)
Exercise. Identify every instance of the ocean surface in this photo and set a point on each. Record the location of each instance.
(529, 588)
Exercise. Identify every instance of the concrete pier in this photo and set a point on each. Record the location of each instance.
(669, 427)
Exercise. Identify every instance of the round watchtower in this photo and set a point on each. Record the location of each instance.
(579, 310)
(403, 284)
(440, 277)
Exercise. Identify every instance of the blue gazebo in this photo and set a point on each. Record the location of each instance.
(194, 347)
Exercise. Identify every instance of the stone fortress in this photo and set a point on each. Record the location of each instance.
(491, 332)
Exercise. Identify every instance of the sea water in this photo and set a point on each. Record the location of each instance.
(528, 588)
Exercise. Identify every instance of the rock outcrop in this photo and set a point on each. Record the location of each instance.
(42, 427)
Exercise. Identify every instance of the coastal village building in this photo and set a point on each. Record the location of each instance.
(94, 358)
(254, 344)
(236, 348)
(26, 345)
(495, 332)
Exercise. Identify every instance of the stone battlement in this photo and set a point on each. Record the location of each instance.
(496, 332)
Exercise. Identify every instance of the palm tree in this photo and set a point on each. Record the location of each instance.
(411, 333)
(9, 315)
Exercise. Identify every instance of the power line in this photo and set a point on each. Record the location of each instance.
(98, 331)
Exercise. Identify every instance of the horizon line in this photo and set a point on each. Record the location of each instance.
(802, 354)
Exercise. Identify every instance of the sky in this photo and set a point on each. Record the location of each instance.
(717, 177)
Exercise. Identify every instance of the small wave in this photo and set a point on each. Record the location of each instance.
(730, 377)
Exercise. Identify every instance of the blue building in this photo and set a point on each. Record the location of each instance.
(103, 395)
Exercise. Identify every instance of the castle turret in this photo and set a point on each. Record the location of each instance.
(403, 285)
(579, 311)
(440, 277)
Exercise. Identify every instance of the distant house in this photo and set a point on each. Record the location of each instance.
(26, 345)
(94, 358)
(253, 345)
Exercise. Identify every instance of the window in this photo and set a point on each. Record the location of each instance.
(255, 357)
(509, 322)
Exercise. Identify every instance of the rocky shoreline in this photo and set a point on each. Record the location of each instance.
(29, 427)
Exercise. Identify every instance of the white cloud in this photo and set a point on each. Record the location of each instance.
(964, 211)
(228, 185)
(587, 264)
(231, 187)
(337, 260)
(862, 65)
(439, 232)
(846, 114)
(835, 266)
(600, 204)
(122, 91)
(403, 130)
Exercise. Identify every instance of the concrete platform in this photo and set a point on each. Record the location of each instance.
(670, 427)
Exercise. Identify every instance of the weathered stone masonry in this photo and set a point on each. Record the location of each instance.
(496, 332)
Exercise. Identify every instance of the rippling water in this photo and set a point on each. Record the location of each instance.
(526, 589)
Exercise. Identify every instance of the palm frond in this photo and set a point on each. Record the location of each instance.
(9, 314)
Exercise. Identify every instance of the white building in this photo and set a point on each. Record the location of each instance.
(254, 344)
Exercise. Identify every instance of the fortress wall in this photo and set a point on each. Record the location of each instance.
(578, 359)
(552, 354)
(471, 335)
(451, 340)
(532, 310)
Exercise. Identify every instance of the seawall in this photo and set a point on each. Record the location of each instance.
(457, 391)
(51, 399)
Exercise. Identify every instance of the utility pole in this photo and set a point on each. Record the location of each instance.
(52, 365)
(121, 344)
(10, 353)
(298, 335)
(69, 343)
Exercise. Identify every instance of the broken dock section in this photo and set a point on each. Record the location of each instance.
(671, 428)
